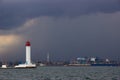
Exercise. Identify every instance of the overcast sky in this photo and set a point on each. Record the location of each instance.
(67, 29)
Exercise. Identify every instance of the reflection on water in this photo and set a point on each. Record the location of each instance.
(62, 73)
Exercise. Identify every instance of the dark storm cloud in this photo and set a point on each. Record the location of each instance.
(14, 13)
(66, 38)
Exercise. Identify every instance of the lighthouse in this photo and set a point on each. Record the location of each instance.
(28, 52)
(28, 63)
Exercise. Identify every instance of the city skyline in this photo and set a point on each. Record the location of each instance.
(65, 28)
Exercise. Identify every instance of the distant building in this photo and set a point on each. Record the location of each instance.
(81, 60)
(93, 59)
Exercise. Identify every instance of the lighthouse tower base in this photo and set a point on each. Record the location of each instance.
(26, 66)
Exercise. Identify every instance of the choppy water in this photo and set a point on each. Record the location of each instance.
(62, 73)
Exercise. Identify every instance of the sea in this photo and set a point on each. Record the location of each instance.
(62, 73)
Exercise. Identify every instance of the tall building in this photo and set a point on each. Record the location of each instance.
(48, 57)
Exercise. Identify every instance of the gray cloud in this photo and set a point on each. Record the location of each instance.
(65, 28)
(67, 38)
(14, 13)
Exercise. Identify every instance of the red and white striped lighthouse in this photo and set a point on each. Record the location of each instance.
(28, 52)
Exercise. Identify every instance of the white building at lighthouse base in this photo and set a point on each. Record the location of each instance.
(26, 66)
